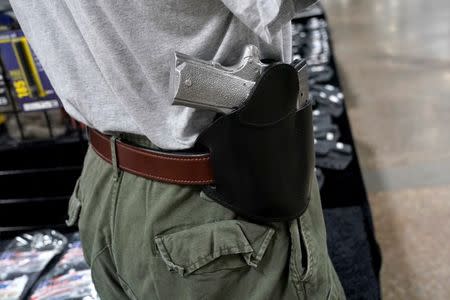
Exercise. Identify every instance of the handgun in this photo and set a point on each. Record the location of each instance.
(209, 85)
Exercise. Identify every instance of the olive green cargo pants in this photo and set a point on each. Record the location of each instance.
(150, 240)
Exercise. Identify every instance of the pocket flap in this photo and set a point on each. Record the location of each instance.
(188, 250)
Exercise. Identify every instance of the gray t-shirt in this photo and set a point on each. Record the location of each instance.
(108, 60)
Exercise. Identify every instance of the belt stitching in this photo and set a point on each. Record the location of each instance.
(165, 178)
(154, 176)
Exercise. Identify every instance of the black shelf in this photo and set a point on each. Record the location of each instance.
(36, 180)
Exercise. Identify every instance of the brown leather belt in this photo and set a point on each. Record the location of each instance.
(160, 166)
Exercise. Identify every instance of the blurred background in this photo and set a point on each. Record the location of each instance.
(394, 61)
(379, 77)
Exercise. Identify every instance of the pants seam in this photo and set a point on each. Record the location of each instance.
(124, 285)
(295, 276)
(117, 182)
(303, 230)
(100, 252)
(113, 214)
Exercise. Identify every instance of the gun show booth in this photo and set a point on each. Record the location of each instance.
(41, 156)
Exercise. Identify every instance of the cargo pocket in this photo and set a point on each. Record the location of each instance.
(208, 248)
(74, 206)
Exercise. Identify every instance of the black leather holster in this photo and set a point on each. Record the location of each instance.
(262, 153)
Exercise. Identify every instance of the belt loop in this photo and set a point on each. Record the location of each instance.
(114, 157)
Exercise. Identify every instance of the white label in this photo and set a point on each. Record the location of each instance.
(40, 105)
(3, 101)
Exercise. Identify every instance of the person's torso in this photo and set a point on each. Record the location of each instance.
(109, 60)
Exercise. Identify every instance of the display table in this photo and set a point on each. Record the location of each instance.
(350, 233)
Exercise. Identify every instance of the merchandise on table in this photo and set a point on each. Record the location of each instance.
(333, 155)
(311, 42)
(327, 98)
(320, 73)
(319, 176)
(12, 289)
(70, 278)
(26, 257)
